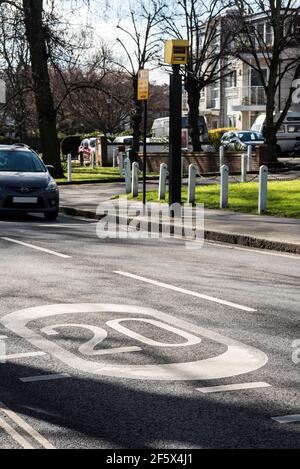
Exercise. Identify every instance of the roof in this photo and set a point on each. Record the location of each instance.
(15, 146)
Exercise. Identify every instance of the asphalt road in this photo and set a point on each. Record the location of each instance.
(136, 334)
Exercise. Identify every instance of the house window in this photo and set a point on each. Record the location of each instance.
(256, 76)
(231, 121)
(231, 79)
(269, 35)
(214, 95)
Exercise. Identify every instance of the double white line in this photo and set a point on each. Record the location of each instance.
(24, 426)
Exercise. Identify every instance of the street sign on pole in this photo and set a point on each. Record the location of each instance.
(143, 85)
(176, 54)
(143, 95)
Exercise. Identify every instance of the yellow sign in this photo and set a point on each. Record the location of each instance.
(176, 52)
(143, 85)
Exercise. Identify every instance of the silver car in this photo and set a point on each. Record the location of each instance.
(25, 183)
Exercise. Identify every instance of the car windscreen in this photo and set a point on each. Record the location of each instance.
(21, 161)
(93, 142)
(249, 136)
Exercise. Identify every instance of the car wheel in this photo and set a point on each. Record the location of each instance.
(51, 216)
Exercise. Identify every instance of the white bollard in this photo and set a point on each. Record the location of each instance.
(163, 173)
(127, 170)
(224, 187)
(121, 164)
(244, 168)
(221, 153)
(192, 183)
(69, 168)
(263, 189)
(114, 158)
(249, 158)
(135, 180)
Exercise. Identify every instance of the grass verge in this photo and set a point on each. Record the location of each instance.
(283, 197)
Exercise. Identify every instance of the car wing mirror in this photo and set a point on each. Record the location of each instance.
(50, 168)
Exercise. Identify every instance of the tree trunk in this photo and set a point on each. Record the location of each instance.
(137, 119)
(270, 130)
(193, 91)
(33, 15)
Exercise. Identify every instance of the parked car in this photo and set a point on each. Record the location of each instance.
(297, 149)
(124, 140)
(87, 150)
(287, 136)
(241, 139)
(26, 184)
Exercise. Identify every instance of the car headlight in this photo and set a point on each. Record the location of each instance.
(52, 186)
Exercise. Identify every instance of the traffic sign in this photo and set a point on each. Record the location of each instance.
(143, 85)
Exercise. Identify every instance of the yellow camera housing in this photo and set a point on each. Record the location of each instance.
(176, 52)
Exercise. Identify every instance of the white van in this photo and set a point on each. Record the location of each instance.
(288, 135)
(161, 128)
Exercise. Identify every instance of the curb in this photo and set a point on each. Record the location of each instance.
(210, 235)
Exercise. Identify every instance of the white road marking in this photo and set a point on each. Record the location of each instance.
(3, 337)
(88, 347)
(70, 225)
(287, 418)
(232, 387)
(26, 427)
(15, 435)
(32, 379)
(186, 292)
(238, 358)
(21, 355)
(38, 248)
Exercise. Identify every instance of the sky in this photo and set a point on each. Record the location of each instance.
(103, 17)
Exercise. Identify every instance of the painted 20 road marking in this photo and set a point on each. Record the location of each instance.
(238, 358)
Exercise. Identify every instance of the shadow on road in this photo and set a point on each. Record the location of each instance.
(124, 416)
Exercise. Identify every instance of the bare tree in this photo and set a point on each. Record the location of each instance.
(209, 35)
(40, 22)
(269, 39)
(95, 102)
(15, 70)
(141, 47)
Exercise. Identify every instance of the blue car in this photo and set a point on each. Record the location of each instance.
(241, 139)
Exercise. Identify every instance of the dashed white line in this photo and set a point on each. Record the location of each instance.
(38, 248)
(186, 292)
(32, 379)
(287, 418)
(233, 387)
(26, 427)
(21, 355)
(70, 225)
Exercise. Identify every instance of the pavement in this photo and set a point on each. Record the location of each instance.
(125, 343)
(275, 233)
